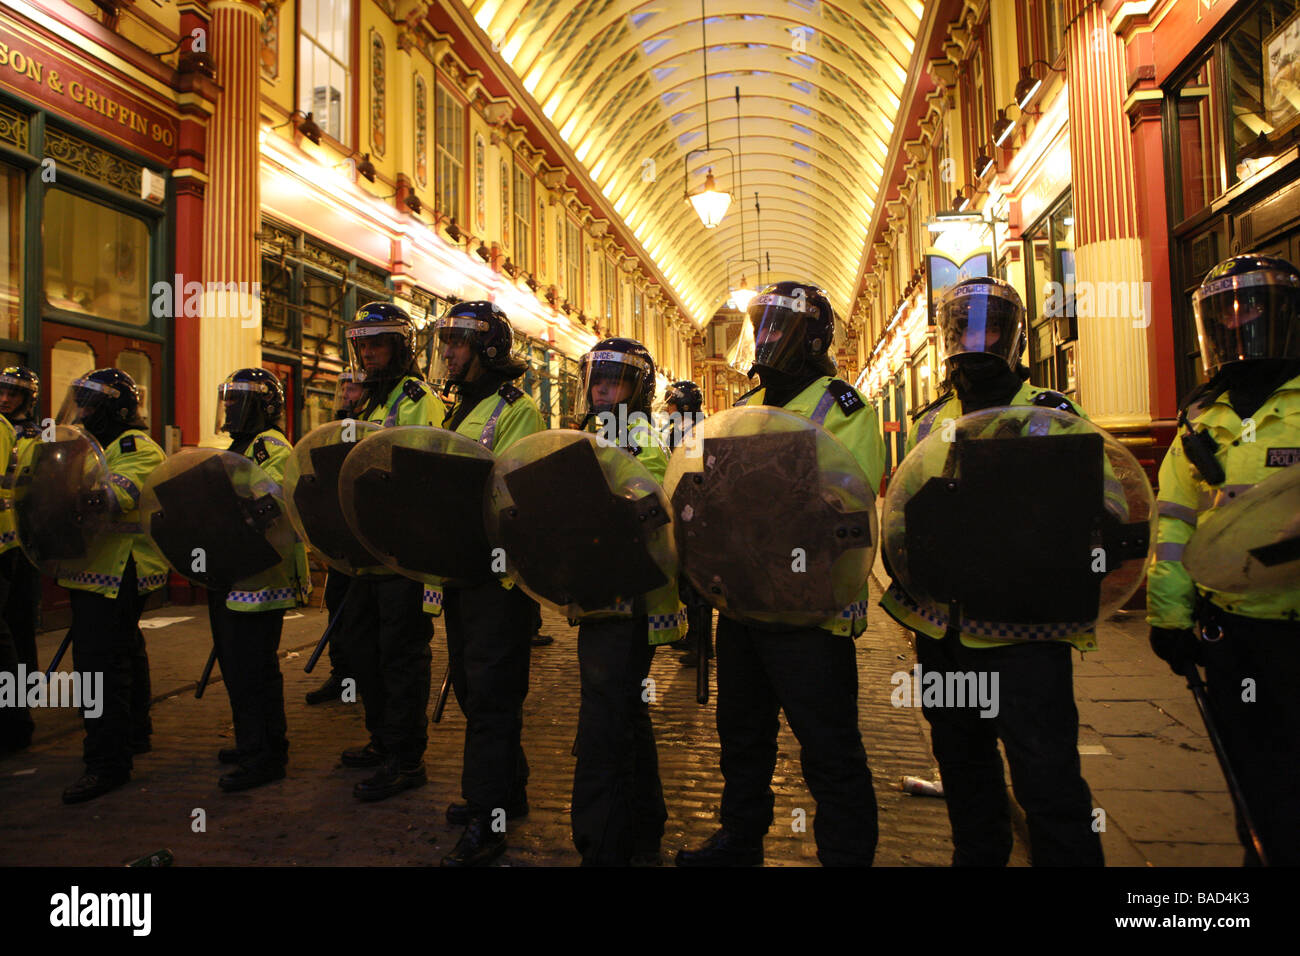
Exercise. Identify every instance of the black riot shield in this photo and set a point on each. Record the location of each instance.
(216, 517)
(61, 500)
(583, 525)
(775, 520)
(1022, 516)
(311, 493)
(413, 495)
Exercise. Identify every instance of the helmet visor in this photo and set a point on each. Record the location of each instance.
(17, 396)
(83, 399)
(1250, 316)
(981, 319)
(457, 344)
(611, 378)
(348, 392)
(379, 349)
(241, 406)
(778, 326)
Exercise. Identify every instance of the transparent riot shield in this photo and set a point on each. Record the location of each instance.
(775, 520)
(413, 495)
(582, 525)
(1022, 522)
(217, 518)
(1252, 544)
(311, 493)
(62, 501)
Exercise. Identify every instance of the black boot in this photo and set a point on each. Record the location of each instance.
(724, 848)
(332, 689)
(391, 780)
(479, 845)
(92, 785)
(247, 777)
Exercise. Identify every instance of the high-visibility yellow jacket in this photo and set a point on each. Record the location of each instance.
(131, 458)
(933, 621)
(411, 402)
(289, 583)
(1185, 499)
(8, 528)
(851, 419)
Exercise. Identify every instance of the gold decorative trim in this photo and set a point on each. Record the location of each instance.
(93, 162)
(13, 128)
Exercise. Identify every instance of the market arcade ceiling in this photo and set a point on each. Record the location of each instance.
(820, 86)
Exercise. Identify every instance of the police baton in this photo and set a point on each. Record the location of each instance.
(325, 638)
(704, 650)
(442, 695)
(207, 673)
(58, 655)
(1197, 687)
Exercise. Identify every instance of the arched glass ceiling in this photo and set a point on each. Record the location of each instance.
(820, 85)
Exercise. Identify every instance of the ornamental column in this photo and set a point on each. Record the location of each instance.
(231, 330)
(1112, 298)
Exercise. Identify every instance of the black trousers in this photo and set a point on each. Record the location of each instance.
(247, 644)
(489, 630)
(23, 605)
(106, 640)
(1251, 676)
(336, 589)
(812, 675)
(386, 636)
(15, 722)
(618, 801)
(1038, 725)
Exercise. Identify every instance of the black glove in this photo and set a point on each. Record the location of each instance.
(1177, 647)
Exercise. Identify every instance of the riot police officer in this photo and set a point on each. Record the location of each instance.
(247, 623)
(981, 325)
(19, 582)
(618, 803)
(109, 595)
(809, 672)
(489, 622)
(384, 623)
(347, 394)
(1239, 428)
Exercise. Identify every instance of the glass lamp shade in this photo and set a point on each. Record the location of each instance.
(710, 204)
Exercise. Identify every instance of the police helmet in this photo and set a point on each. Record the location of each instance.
(100, 399)
(484, 327)
(791, 325)
(250, 400)
(1248, 308)
(982, 315)
(618, 362)
(18, 381)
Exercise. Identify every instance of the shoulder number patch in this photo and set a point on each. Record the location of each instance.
(845, 394)
(127, 443)
(415, 389)
(1051, 399)
(510, 393)
(260, 454)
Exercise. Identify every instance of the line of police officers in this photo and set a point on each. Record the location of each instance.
(1248, 316)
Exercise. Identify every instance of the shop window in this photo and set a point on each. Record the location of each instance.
(449, 135)
(523, 219)
(69, 360)
(325, 63)
(13, 189)
(1050, 297)
(96, 260)
(1199, 137)
(139, 366)
(1262, 72)
(638, 319)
